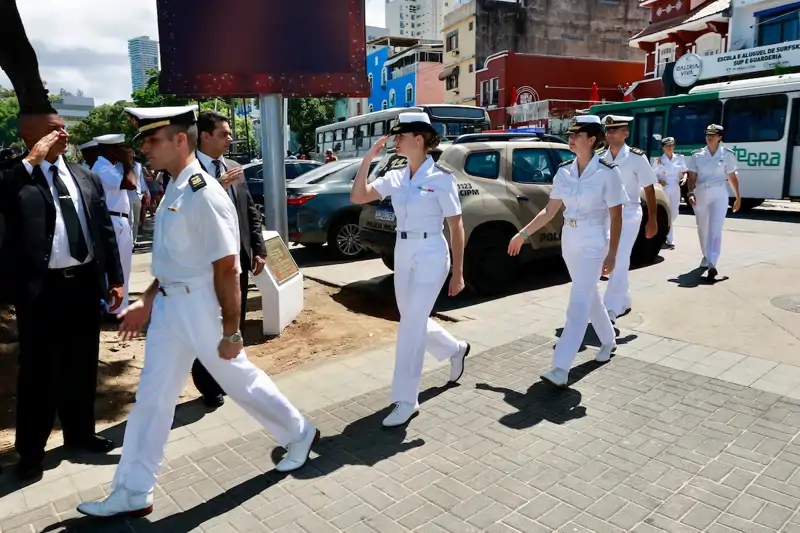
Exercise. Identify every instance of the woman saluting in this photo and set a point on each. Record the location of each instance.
(591, 191)
(423, 196)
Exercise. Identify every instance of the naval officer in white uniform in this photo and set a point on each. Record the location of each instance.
(637, 174)
(670, 169)
(710, 170)
(423, 196)
(194, 302)
(590, 188)
(116, 184)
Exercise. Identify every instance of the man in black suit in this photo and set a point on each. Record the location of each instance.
(58, 251)
(214, 140)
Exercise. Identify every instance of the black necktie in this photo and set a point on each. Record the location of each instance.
(77, 242)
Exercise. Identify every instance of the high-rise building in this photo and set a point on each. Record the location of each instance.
(418, 19)
(143, 55)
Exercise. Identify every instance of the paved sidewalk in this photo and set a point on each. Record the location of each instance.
(631, 446)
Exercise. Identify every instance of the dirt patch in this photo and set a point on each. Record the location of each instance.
(334, 322)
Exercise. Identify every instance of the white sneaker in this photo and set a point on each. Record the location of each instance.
(705, 263)
(457, 363)
(557, 377)
(604, 354)
(297, 452)
(612, 316)
(120, 502)
(401, 414)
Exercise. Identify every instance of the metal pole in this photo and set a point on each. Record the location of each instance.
(247, 131)
(285, 124)
(274, 172)
(233, 119)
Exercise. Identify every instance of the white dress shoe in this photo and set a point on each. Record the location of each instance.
(120, 502)
(297, 452)
(402, 413)
(557, 377)
(457, 363)
(604, 354)
(705, 263)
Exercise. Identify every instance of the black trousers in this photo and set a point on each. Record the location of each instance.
(204, 381)
(58, 361)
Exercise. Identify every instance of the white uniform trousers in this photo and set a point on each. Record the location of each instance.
(184, 326)
(584, 249)
(618, 296)
(421, 267)
(673, 192)
(122, 231)
(710, 212)
(136, 212)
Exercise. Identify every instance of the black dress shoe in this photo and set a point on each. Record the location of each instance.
(94, 444)
(29, 470)
(712, 273)
(213, 402)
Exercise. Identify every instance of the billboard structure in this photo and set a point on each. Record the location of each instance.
(240, 48)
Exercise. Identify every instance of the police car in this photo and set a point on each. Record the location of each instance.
(504, 180)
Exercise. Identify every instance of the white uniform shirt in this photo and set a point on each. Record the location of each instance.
(712, 170)
(193, 229)
(111, 177)
(670, 170)
(59, 252)
(636, 171)
(422, 202)
(589, 196)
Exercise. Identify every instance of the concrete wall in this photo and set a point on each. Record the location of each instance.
(429, 89)
(560, 27)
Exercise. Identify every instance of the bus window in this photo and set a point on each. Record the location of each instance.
(338, 135)
(755, 119)
(328, 136)
(647, 125)
(378, 128)
(687, 122)
(363, 136)
(319, 138)
(350, 138)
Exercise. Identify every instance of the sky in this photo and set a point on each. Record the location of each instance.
(83, 44)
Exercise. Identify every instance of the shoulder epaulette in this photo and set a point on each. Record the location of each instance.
(728, 149)
(608, 164)
(637, 151)
(565, 163)
(197, 182)
(697, 151)
(443, 168)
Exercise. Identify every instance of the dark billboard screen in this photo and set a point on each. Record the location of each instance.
(298, 48)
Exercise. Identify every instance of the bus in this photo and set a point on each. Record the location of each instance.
(355, 136)
(760, 117)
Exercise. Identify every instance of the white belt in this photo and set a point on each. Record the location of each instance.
(417, 234)
(175, 289)
(710, 184)
(584, 222)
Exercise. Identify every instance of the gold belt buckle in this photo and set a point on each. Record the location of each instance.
(573, 223)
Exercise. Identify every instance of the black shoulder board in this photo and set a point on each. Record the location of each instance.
(566, 163)
(197, 182)
(637, 151)
(608, 164)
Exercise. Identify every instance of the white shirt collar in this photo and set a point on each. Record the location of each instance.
(59, 164)
(422, 170)
(623, 153)
(208, 162)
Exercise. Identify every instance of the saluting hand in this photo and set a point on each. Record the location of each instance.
(377, 148)
(134, 317)
(516, 244)
(42, 148)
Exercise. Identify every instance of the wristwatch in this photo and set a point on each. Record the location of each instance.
(235, 338)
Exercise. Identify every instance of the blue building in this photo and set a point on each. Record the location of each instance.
(398, 68)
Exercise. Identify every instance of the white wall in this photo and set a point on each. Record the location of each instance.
(742, 25)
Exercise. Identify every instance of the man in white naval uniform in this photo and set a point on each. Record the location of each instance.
(89, 152)
(117, 179)
(194, 302)
(637, 174)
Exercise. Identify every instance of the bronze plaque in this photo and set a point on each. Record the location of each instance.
(279, 261)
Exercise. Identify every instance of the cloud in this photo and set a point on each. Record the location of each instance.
(83, 44)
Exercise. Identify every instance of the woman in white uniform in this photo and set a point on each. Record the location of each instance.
(590, 188)
(710, 170)
(423, 197)
(671, 170)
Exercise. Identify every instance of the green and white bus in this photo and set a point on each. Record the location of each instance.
(760, 117)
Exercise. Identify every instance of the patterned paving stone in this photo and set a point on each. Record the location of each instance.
(631, 446)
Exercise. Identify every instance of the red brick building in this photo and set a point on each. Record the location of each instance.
(520, 89)
(678, 27)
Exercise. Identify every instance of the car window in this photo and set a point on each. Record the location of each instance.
(291, 171)
(483, 164)
(322, 171)
(252, 173)
(306, 167)
(531, 165)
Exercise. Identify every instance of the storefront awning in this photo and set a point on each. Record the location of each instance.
(446, 73)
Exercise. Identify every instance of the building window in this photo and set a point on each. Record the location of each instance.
(665, 54)
(451, 41)
(485, 94)
(708, 44)
(409, 93)
(451, 82)
(384, 76)
(369, 77)
(371, 109)
(471, 67)
(778, 25)
(384, 105)
(392, 98)
(755, 119)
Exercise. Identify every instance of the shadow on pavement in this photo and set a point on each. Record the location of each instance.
(306, 256)
(695, 278)
(590, 337)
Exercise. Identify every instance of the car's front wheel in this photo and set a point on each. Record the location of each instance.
(344, 238)
(488, 269)
(645, 251)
